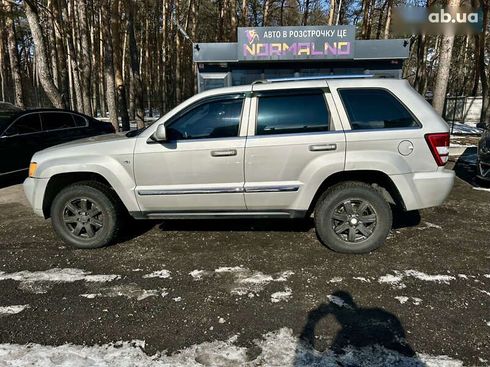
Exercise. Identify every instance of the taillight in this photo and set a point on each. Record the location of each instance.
(439, 146)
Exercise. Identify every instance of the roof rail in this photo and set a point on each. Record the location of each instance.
(319, 77)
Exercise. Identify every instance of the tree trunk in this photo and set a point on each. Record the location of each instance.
(386, 34)
(85, 59)
(244, 13)
(306, 12)
(380, 20)
(41, 57)
(136, 85)
(266, 12)
(442, 78)
(64, 84)
(109, 67)
(52, 46)
(117, 52)
(331, 13)
(233, 18)
(2, 60)
(14, 57)
(485, 113)
(421, 72)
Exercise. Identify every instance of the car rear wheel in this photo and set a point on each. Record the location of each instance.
(86, 215)
(352, 217)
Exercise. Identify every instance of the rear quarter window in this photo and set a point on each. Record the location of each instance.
(373, 108)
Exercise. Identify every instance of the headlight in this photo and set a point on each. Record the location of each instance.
(32, 169)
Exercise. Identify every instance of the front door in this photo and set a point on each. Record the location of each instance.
(295, 142)
(200, 166)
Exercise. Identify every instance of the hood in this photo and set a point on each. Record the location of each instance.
(109, 144)
(85, 142)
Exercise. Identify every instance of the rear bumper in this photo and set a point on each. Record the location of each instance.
(34, 189)
(424, 189)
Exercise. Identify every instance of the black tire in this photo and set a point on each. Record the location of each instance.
(344, 217)
(98, 216)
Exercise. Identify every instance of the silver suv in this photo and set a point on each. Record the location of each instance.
(346, 151)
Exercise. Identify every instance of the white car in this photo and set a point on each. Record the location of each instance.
(343, 150)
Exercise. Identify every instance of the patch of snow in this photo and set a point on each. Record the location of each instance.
(163, 274)
(362, 279)
(12, 310)
(57, 275)
(462, 276)
(246, 281)
(416, 301)
(396, 280)
(429, 278)
(230, 269)
(335, 280)
(488, 323)
(277, 348)
(39, 282)
(484, 292)
(338, 301)
(282, 277)
(221, 320)
(130, 291)
(481, 188)
(486, 275)
(402, 299)
(198, 274)
(90, 295)
(463, 129)
(393, 280)
(281, 296)
(255, 281)
(430, 225)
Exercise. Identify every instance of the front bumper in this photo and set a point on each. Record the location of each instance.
(483, 169)
(424, 189)
(34, 189)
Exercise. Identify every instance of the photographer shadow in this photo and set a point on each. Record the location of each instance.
(367, 335)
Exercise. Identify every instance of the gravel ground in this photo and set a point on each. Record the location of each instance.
(182, 283)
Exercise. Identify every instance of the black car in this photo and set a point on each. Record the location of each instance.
(483, 162)
(22, 133)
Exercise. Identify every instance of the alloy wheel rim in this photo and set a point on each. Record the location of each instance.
(354, 220)
(83, 218)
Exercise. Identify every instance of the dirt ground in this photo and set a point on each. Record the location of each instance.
(181, 283)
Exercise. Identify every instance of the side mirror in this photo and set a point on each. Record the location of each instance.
(160, 134)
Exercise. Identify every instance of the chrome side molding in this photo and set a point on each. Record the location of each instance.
(222, 190)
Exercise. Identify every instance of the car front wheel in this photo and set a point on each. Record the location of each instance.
(86, 215)
(352, 217)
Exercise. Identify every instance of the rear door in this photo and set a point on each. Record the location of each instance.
(294, 144)
(19, 142)
(382, 133)
(60, 127)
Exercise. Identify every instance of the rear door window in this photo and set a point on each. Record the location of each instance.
(80, 121)
(292, 113)
(57, 120)
(374, 108)
(27, 124)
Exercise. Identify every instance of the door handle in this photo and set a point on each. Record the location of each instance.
(223, 153)
(322, 147)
